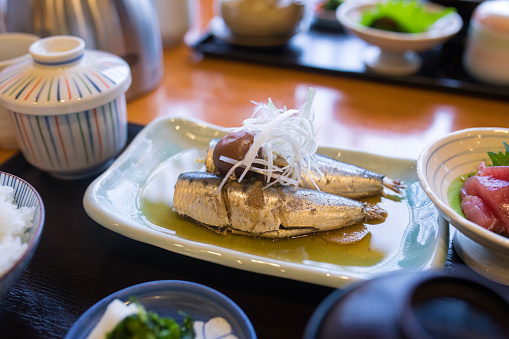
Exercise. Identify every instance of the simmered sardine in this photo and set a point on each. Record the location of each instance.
(336, 177)
(276, 211)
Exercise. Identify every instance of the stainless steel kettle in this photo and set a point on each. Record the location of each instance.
(127, 28)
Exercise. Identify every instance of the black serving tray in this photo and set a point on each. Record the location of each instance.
(78, 262)
(335, 53)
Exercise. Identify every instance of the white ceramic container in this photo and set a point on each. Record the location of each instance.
(13, 49)
(68, 106)
(174, 20)
(487, 50)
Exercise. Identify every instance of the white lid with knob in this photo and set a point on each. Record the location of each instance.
(63, 77)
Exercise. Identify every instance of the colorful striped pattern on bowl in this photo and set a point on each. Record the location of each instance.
(74, 142)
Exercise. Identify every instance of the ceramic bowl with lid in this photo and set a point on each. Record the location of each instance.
(414, 305)
(68, 106)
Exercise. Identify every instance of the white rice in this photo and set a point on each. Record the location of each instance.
(14, 222)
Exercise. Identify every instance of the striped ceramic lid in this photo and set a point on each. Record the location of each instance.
(63, 77)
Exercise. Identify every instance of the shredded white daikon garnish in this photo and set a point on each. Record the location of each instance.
(281, 134)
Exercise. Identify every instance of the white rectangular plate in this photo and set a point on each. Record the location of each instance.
(113, 200)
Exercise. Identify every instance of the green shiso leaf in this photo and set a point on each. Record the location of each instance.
(403, 16)
(500, 159)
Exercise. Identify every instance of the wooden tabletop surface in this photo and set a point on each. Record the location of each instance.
(390, 120)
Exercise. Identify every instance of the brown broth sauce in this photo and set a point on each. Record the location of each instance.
(381, 242)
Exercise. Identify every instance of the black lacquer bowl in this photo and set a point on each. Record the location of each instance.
(410, 304)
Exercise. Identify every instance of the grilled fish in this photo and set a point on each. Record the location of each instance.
(276, 211)
(337, 177)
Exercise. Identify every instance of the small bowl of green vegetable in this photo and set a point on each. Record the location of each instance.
(164, 309)
(397, 30)
(466, 175)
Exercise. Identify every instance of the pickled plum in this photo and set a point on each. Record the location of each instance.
(234, 146)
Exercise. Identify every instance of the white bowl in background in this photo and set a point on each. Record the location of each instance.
(487, 48)
(24, 195)
(394, 53)
(262, 18)
(439, 164)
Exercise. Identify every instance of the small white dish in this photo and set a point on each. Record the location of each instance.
(393, 53)
(439, 164)
(417, 239)
(167, 298)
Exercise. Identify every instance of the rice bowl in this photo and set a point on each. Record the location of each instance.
(21, 224)
(14, 222)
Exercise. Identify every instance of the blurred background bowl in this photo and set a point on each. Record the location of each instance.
(262, 18)
(395, 53)
(24, 195)
(439, 164)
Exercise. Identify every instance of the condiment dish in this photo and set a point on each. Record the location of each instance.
(443, 161)
(169, 297)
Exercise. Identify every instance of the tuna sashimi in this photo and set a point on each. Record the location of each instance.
(485, 198)
(498, 172)
(478, 211)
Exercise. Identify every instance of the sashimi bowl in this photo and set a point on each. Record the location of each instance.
(439, 166)
(21, 223)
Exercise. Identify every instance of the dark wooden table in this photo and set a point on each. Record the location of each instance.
(78, 262)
